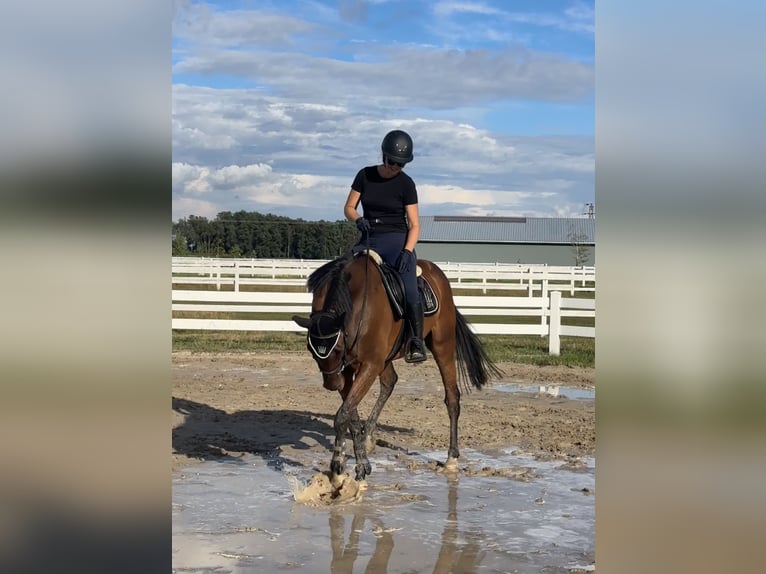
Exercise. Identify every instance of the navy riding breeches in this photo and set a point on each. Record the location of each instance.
(389, 246)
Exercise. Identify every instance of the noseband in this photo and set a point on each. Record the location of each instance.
(341, 365)
(323, 345)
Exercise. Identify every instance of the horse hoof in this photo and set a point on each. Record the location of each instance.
(451, 464)
(362, 470)
(336, 468)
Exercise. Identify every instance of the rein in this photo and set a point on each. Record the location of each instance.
(364, 301)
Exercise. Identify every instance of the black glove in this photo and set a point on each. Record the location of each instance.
(404, 261)
(363, 225)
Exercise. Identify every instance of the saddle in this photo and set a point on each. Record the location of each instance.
(394, 286)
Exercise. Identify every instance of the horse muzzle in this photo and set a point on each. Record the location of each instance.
(333, 382)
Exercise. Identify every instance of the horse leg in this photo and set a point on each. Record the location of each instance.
(345, 421)
(356, 428)
(388, 379)
(357, 437)
(338, 462)
(444, 354)
(363, 467)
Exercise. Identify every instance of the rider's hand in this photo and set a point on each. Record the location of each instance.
(362, 225)
(404, 261)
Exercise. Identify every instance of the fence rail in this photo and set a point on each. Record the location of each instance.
(532, 279)
(549, 309)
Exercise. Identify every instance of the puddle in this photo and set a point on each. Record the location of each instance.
(575, 393)
(241, 517)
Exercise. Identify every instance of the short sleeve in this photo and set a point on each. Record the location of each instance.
(410, 193)
(359, 180)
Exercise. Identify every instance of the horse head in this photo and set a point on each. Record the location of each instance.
(326, 341)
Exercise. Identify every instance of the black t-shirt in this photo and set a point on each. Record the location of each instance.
(385, 199)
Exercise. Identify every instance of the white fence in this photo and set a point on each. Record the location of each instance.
(532, 279)
(550, 307)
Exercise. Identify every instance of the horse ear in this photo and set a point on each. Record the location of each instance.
(302, 321)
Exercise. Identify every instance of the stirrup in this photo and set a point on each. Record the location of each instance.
(414, 353)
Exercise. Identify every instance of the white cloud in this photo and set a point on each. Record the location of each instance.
(233, 176)
(191, 179)
(578, 17)
(205, 26)
(185, 206)
(197, 179)
(194, 137)
(289, 154)
(449, 8)
(495, 23)
(432, 195)
(292, 141)
(444, 78)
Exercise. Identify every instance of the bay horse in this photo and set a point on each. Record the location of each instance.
(355, 334)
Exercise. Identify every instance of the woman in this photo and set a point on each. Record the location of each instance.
(390, 224)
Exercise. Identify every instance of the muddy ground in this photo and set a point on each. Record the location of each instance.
(272, 404)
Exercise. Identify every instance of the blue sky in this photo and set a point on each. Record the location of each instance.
(277, 105)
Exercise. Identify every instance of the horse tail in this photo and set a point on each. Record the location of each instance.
(473, 363)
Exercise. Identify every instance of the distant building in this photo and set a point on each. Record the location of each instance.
(531, 240)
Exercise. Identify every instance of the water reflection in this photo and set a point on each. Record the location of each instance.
(344, 555)
(453, 557)
(564, 392)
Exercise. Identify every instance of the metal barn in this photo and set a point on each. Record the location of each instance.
(565, 241)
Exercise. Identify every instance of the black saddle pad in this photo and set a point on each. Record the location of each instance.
(427, 296)
(395, 290)
(394, 287)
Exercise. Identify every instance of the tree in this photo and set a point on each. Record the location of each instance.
(580, 249)
(253, 234)
(180, 247)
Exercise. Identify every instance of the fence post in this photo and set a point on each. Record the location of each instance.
(544, 292)
(236, 276)
(554, 324)
(530, 281)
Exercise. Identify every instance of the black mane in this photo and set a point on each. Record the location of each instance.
(332, 276)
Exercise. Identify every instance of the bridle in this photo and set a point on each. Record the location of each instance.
(343, 363)
(322, 346)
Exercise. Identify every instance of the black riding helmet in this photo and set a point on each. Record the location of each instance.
(397, 146)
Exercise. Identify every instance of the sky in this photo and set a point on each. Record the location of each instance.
(277, 104)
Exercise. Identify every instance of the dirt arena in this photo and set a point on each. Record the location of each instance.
(273, 404)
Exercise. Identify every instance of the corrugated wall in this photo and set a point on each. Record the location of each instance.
(501, 253)
(537, 230)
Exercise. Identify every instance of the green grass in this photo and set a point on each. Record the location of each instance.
(529, 349)
(217, 341)
(533, 350)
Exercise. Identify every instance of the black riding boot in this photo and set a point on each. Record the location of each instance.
(415, 350)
